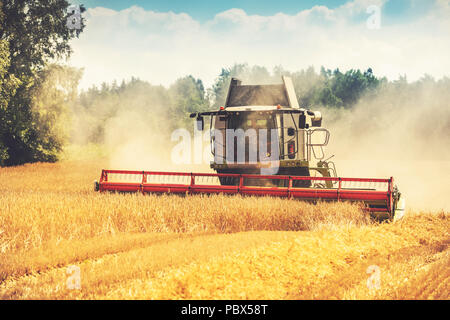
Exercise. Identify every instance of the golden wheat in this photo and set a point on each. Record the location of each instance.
(45, 203)
(148, 246)
(313, 265)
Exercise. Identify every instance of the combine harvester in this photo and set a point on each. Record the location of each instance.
(263, 144)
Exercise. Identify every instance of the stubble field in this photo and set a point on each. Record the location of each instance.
(61, 240)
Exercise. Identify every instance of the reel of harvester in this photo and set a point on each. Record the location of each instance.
(380, 196)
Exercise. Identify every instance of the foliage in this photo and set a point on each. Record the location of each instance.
(36, 33)
(8, 86)
(187, 95)
(162, 109)
(327, 88)
(345, 89)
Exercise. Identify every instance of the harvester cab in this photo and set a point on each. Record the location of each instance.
(263, 126)
(265, 144)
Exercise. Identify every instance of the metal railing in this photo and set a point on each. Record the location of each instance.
(370, 191)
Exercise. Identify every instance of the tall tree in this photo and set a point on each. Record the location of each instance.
(188, 95)
(345, 89)
(8, 86)
(37, 32)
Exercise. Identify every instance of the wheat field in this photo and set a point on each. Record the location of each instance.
(134, 246)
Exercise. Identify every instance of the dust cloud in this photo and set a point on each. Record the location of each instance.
(399, 133)
(130, 124)
(137, 141)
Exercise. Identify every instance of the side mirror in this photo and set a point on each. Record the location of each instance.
(291, 132)
(200, 123)
(302, 121)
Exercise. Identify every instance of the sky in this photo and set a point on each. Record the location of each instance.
(203, 10)
(161, 41)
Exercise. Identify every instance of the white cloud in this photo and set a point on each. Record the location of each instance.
(160, 47)
(358, 6)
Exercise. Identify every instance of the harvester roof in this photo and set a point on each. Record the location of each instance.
(262, 95)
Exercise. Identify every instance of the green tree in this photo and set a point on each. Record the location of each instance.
(307, 84)
(36, 33)
(8, 86)
(188, 95)
(219, 90)
(345, 89)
